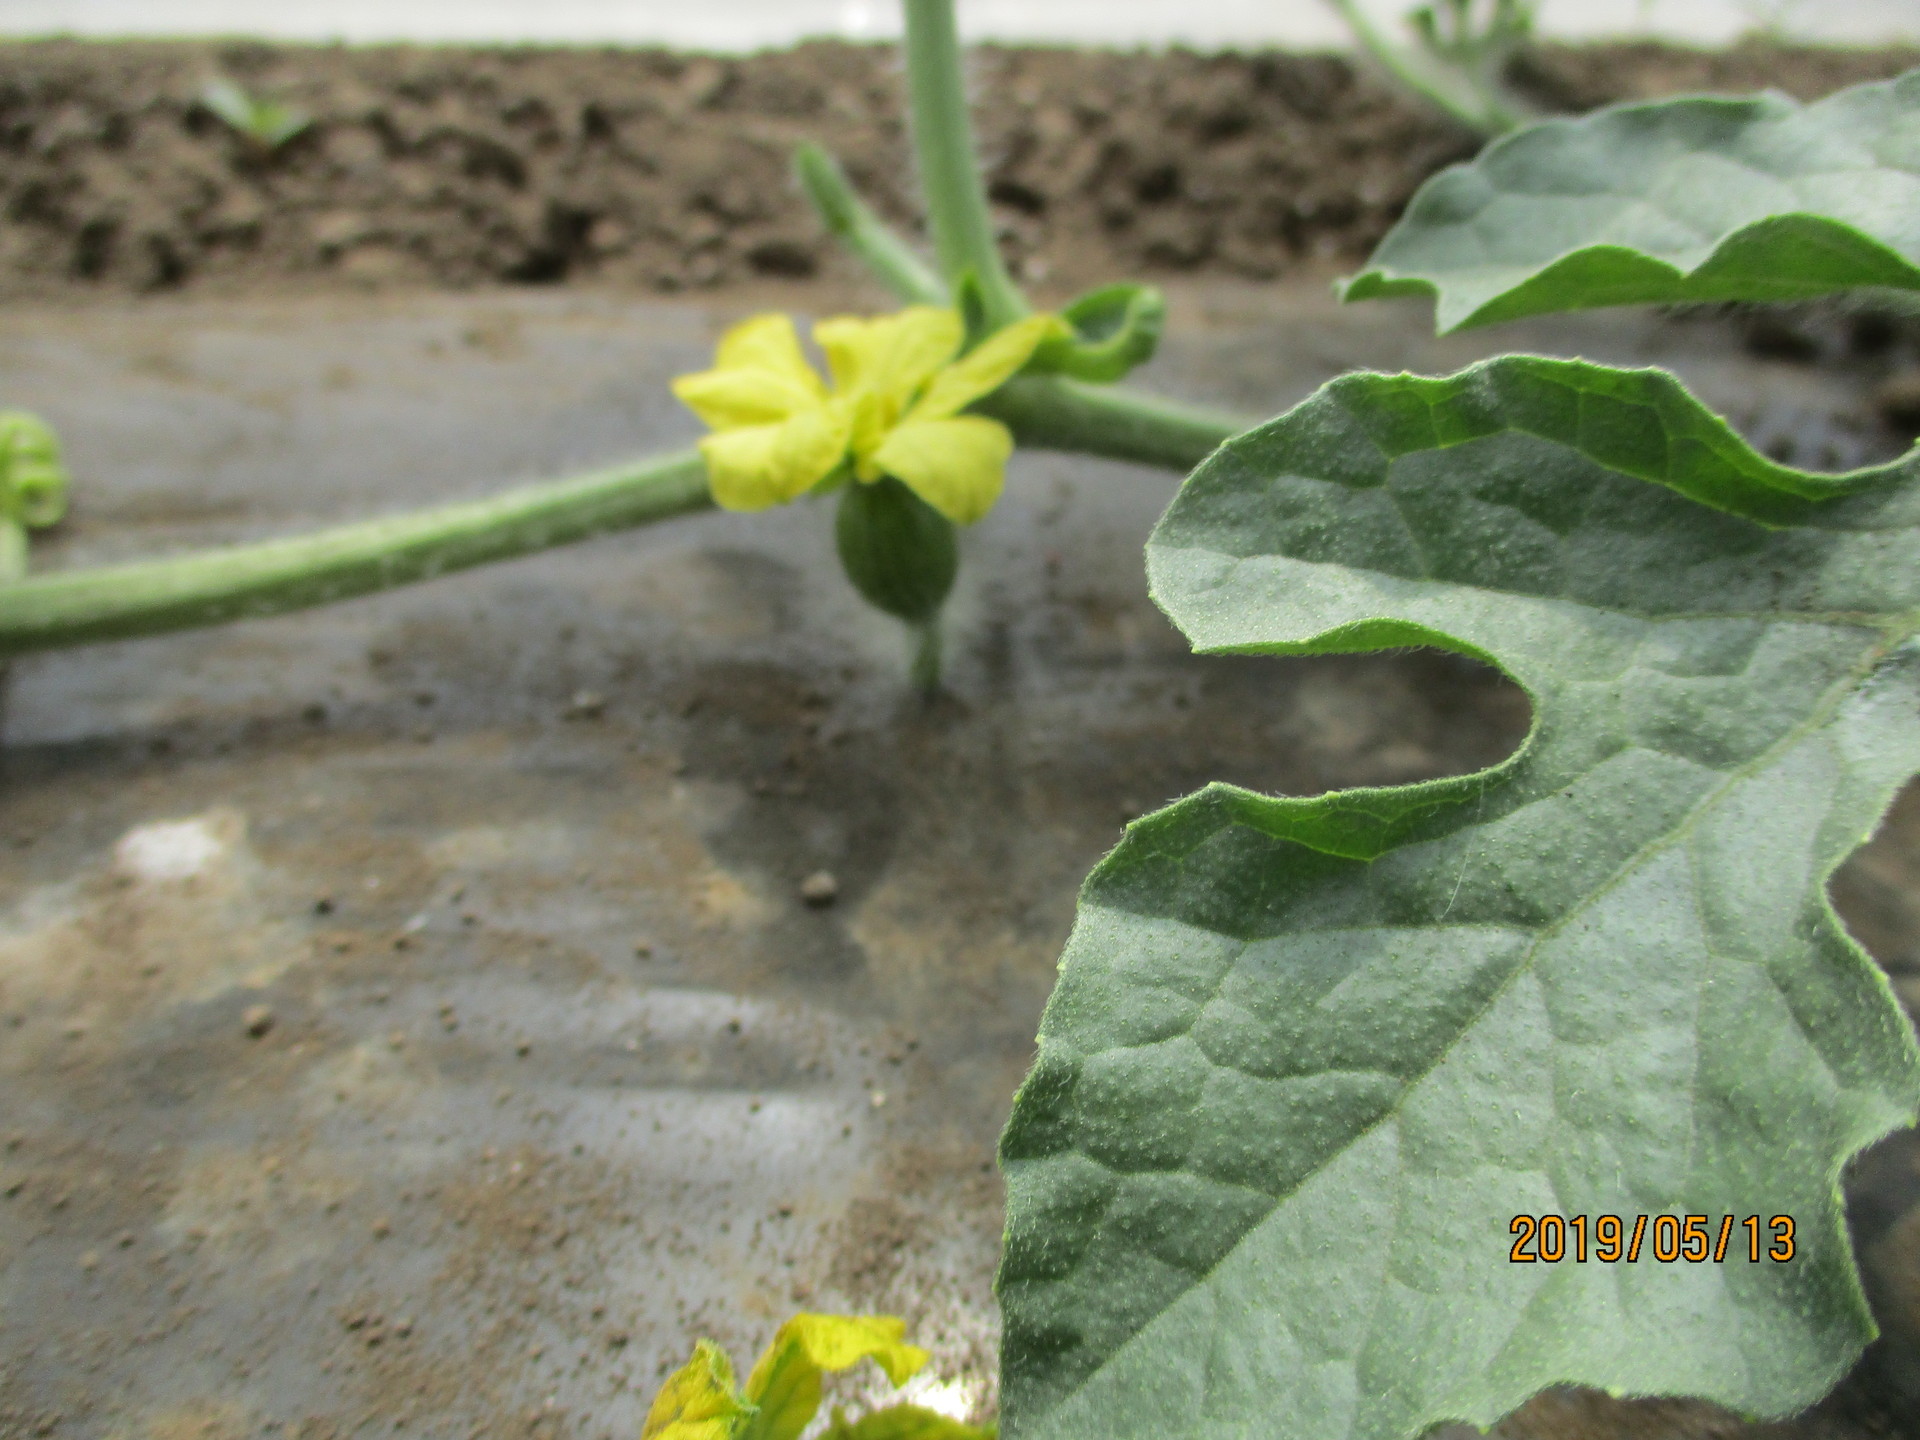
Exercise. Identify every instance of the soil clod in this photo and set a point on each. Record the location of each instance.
(1898, 401)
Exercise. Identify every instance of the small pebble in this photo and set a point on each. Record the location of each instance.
(258, 1019)
(820, 888)
(382, 1228)
(586, 705)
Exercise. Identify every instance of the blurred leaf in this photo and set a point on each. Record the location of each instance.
(268, 124)
(1695, 199)
(33, 478)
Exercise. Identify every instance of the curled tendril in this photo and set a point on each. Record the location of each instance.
(1112, 330)
(33, 480)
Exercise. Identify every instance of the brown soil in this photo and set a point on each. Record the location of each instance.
(644, 168)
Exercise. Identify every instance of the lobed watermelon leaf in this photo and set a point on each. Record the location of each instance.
(1307, 1058)
(1696, 199)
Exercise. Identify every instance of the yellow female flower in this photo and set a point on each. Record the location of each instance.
(894, 408)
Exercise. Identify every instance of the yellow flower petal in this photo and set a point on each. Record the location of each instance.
(987, 367)
(785, 1384)
(892, 356)
(697, 1402)
(779, 433)
(728, 399)
(768, 343)
(957, 466)
(761, 465)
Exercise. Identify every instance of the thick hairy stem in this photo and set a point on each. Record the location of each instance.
(847, 216)
(122, 601)
(1051, 413)
(950, 175)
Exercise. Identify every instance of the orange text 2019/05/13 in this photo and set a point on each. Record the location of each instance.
(1615, 1239)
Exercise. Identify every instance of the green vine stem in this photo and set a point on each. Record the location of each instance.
(120, 602)
(13, 551)
(924, 671)
(1048, 412)
(890, 258)
(949, 174)
(270, 577)
(1479, 110)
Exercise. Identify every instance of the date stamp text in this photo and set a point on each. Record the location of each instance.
(1612, 1239)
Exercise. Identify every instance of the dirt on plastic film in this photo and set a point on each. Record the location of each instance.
(665, 171)
(414, 1014)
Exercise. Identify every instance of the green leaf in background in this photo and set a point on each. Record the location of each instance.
(1308, 1057)
(1695, 199)
(265, 122)
(33, 477)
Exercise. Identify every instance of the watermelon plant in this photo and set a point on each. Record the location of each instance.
(887, 435)
(1358, 1113)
